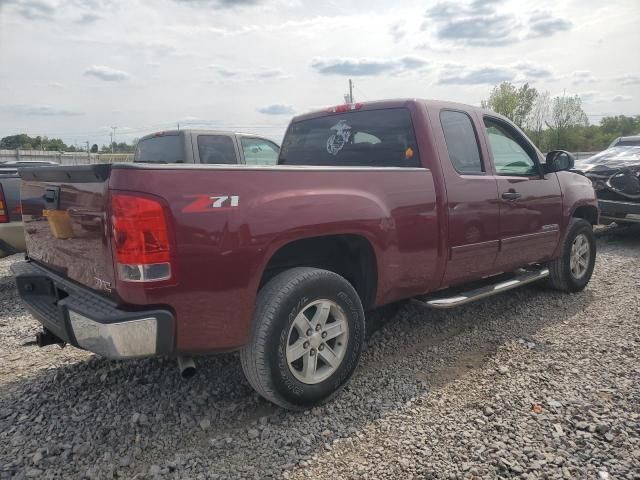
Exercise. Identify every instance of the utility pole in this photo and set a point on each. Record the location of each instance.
(178, 125)
(113, 138)
(88, 152)
(350, 91)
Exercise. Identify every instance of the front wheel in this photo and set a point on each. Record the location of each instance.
(306, 338)
(572, 270)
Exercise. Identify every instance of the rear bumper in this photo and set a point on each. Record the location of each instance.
(612, 210)
(11, 238)
(89, 321)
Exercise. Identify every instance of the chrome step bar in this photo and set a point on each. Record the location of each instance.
(521, 278)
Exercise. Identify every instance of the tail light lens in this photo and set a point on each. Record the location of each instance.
(4, 214)
(140, 238)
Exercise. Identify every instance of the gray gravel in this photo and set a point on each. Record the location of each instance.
(531, 384)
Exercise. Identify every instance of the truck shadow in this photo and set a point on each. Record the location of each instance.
(97, 417)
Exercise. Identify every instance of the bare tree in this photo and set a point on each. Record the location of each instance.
(538, 118)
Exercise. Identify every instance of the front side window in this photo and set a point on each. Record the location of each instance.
(258, 151)
(369, 138)
(461, 141)
(510, 155)
(216, 149)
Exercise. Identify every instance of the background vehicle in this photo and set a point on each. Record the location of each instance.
(631, 141)
(11, 230)
(615, 174)
(206, 146)
(415, 198)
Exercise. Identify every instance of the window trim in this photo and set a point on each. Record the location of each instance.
(529, 150)
(483, 163)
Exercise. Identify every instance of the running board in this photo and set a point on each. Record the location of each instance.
(519, 279)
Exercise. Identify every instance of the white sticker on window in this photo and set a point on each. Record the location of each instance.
(336, 142)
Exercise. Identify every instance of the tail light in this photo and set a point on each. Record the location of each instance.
(140, 238)
(4, 214)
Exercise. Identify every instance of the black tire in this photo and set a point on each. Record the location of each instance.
(264, 359)
(560, 275)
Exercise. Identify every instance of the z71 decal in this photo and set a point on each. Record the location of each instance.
(206, 202)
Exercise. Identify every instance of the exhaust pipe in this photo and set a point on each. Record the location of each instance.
(45, 338)
(187, 367)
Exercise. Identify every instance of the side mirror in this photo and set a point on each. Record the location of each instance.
(558, 160)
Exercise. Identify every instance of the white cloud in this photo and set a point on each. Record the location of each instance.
(367, 66)
(629, 79)
(38, 111)
(146, 63)
(107, 74)
(481, 75)
(277, 109)
(582, 76)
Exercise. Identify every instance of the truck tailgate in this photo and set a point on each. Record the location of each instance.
(65, 219)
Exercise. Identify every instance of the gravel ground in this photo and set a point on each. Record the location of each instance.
(530, 384)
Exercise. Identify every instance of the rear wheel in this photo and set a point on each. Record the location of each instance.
(307, 335)
(572, 270)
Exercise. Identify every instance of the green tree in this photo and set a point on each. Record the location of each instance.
(566, 115)
(16, 141)
(514, 103)
(94, 148)
(621, 125)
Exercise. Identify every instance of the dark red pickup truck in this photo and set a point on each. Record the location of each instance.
(370, 204)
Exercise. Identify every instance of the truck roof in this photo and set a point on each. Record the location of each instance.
(199, 131)
(391, 103)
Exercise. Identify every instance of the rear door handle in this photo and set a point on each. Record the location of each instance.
(511, 195)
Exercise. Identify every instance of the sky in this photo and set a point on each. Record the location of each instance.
(74, 69)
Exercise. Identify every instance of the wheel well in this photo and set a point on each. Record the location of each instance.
(350, 256)
(587, 212)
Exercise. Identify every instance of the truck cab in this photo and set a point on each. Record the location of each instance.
(210, 147)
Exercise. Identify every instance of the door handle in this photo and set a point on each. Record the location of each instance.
(511, 195)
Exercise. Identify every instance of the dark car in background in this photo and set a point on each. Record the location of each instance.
(615, 174)
(632, 141)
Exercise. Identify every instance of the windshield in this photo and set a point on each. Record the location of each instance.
(160, 149)
(628, 143)
(373, 138)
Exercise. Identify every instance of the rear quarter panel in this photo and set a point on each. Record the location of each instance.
(222, 252)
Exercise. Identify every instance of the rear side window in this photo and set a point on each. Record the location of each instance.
(462, 143)
(258, 151)
(374, 138)
(216, 149)
(160, 149)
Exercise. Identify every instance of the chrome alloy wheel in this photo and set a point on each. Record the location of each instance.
(317, 341)
(580, 256)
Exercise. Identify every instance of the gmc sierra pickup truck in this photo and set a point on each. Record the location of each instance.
(370, 204)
